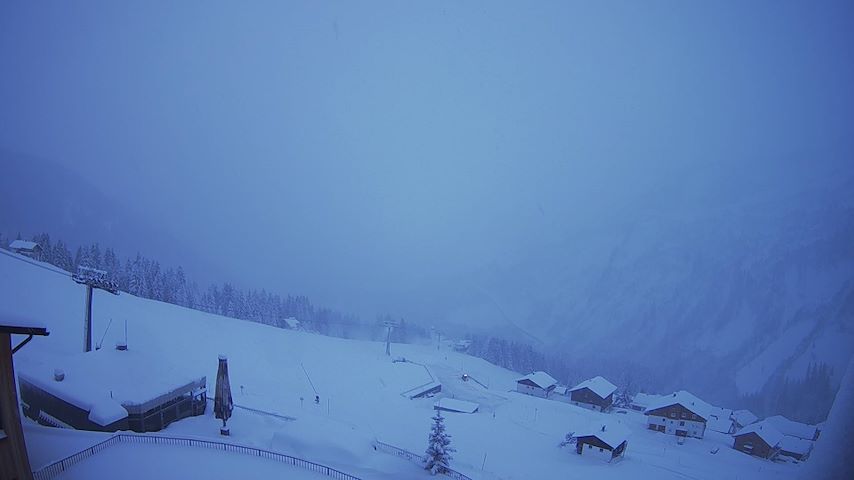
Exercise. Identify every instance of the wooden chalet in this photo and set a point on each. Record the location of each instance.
(681, 414)
(538, 384)
(26, 248)
(595, 393)
(759, 439)
(608, 441)
(14, 461)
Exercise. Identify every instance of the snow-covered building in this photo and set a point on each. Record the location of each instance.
(462, 345)
(14, 461)
(110, 390)
(454, 405)
(796, 448)
(641, 401)
(720, 420)
(681, 414)
(743, 418)
(760, 439)
(609, 441)
(292, 323)
(426, 390)
(793, 428)
(595, 393)
(538, 384)
(27, 248)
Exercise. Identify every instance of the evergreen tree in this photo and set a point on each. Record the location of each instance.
(439, 449)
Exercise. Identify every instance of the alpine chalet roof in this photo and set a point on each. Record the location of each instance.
(687, 400)
(744, 417)
(23, 245)
(766, 432)
(540, 379)
(792, 428)
(597, 385)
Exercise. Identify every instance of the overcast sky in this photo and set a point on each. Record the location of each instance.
(347, 149)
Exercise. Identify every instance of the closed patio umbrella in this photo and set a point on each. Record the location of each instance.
(223, 404)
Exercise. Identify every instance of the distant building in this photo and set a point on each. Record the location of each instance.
(681, 414)
(608, 441)
(462, 345)
(454, 405)
(26, 248)
(561, 394)
(292, 323)
(109, 390)
(538, 384)
(426, 390)
(759, 439)
(793, 428)
(14, 461)
(595, 393)
(743, 418)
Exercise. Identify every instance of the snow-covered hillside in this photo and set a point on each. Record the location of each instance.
(723, 297)
(512, 436)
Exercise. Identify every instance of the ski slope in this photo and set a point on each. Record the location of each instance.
(512, 436)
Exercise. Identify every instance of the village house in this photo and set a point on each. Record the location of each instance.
(681, 414)
(26, 248)
(538, 384)
(759, 439)
(110, 390)
(14, 461)
(595, 393)
(607, 441)
(743, 418)
(793, 428)
(454, 405)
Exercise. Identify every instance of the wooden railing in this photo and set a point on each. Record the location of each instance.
(54, 469)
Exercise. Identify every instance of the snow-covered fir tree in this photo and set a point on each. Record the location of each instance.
(439, 449)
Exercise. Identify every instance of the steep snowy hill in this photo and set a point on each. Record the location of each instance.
(723, 298)
(512, 436)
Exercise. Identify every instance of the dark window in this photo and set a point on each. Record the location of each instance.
(672, 414)
(682, 424)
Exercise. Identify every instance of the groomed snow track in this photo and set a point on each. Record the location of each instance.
(57, 468)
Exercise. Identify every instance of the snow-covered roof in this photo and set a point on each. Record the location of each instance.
(540, 379)
(766, 432)
(597, 385)
(792, 428)
(292, 323)
(645, 399)
(454, 405)
(561, 390)
(23, 245)
(93, 380)
(16, 323)
(687, 400)
(720, 420)
(422, 389)
(613, 434)
(796, 445)
(744, 417)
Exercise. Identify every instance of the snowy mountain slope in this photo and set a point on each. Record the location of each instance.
(721, 298)
(513, 436)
